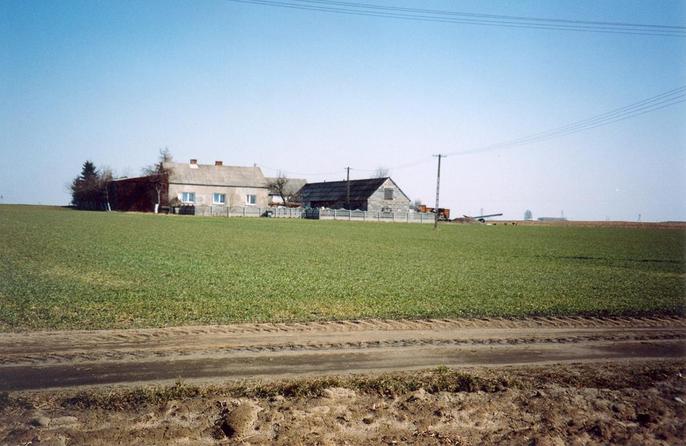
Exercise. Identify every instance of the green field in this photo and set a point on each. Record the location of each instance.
(62, 268)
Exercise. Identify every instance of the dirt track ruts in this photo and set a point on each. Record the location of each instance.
(41, 360)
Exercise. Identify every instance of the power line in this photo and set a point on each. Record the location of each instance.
(494, 16)
(654, 103)
(360, 9)
(288, 172)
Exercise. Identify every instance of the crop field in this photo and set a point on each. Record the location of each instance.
(65, 269)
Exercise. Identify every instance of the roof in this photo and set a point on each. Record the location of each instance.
(293, 185)
(211, 175)
(337, 190)
(141, 179)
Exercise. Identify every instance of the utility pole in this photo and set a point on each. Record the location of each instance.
(347, 179)
(438, 188)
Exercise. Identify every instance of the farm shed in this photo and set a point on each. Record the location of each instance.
(372, 194)
(136, 194)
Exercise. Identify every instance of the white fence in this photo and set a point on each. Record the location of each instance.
(247, 211)
(390, 217)
(320, 214)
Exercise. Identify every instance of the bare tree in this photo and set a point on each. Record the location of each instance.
(157, 168)
(106, 176)
(159, 173)
(282, 186)
(381, 172)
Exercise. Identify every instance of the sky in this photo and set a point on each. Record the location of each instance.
(309, 93)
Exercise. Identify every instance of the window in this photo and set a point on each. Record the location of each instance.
(218, 198)
(251, 199)
(388, 194)
(187, 197)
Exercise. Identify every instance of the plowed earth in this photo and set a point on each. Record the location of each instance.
(530, 381)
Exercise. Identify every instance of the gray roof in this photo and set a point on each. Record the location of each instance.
(292, 186)
(338, 190)
(211, 175)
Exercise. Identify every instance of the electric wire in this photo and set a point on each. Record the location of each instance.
(647, 30)
(651, 104)
(663, 100)
(494, 16)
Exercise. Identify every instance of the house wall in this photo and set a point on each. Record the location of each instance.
(235, 196)
(399, 203)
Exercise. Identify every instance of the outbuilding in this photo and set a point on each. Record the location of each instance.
(371, 194)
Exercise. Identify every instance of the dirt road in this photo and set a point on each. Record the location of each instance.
(44, 360)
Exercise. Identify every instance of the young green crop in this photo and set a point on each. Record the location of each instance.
(65, 269)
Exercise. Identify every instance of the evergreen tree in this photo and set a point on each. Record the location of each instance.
(89, 189)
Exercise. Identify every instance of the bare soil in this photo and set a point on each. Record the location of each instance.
(636, 403)
(44, 360)
(531, 381)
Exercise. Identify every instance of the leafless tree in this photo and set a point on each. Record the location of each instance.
(159, 173)
(283, 188)
(381, 172)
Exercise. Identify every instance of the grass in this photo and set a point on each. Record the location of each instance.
(65, 269)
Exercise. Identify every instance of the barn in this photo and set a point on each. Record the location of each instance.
(371, 194)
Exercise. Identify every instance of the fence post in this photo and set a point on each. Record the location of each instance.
(243, 211)
(421, 217)
(408, 216)
(350, 214)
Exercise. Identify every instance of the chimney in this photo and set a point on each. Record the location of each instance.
(218, 163)
(194, 161)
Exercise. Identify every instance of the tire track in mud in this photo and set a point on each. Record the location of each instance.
(72, 358)
(84, 356)
(149, 334)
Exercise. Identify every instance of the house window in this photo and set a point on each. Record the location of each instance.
(251, 199)
(388, 194)
(187, 197)
(218, 198)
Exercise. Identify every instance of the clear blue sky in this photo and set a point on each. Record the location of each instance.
(311, 92)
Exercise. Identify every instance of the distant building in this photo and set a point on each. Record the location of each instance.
(373, 194)
(217, 185)
(552, 219)
(192, 184)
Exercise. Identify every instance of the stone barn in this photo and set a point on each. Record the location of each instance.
(372, 194)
